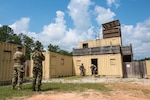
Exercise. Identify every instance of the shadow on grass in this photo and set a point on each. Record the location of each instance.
(43, 88)
(49, 89)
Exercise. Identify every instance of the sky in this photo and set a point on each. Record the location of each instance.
(67, 22)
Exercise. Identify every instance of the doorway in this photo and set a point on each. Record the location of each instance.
(94, 61)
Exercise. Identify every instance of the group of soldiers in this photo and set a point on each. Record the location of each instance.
(19, 59)
(92, 67)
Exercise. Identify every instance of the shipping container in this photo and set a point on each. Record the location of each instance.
(109, 65)
(101, 42)
(55, 65)
(7, 51)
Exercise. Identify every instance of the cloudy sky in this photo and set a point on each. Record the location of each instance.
(67, 22)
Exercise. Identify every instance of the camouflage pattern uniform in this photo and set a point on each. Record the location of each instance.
(93, 69)
(19, 60)
(82, 70)
(37, 57)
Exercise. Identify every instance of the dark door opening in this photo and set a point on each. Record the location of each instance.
(94, 61)
(85, 45)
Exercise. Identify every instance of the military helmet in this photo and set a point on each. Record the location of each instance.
(37, 47)
(19, 46)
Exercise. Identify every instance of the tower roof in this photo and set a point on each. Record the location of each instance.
(111, 24)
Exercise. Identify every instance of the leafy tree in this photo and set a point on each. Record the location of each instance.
(28, 42)
(53, 48)
(64, 52)
(146, 58)
(15, 39)
(5, 33)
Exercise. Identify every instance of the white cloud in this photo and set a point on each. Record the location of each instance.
(21, 26)
(115, 2)
(54, 32)
(79, 12)
(0, 25)
(103, 15)
(70, 40)
(139, 37)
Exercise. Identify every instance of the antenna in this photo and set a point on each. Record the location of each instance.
(111, 47)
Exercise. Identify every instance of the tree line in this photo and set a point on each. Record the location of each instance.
(7, 35)
(143, 59)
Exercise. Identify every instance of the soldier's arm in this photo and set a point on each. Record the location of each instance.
(14, 57)
(33, 56)
(23, 58)
(43, 57)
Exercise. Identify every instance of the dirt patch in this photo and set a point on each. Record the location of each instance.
(122, 89)
(91, 95)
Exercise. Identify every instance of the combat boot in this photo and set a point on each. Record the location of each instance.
(33, 84)
(13, 87)
(33, 88)
(39, 88)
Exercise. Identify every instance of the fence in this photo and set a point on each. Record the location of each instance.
(97, 50)
(136, 69)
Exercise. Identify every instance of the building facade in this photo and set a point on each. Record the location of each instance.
(107, 54)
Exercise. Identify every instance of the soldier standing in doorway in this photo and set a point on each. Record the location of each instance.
(82, 70)
(37, 57)
(19, 60)
(93, 69)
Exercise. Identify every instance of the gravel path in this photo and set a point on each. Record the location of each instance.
(90, 79)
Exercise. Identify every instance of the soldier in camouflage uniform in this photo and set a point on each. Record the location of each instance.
(37, 57)
(19, 60)
(93, 69)
(82, 70)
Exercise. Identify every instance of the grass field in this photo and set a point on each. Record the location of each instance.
(7, 92)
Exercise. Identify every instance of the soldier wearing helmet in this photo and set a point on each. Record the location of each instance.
(37, 57)
(19, 60)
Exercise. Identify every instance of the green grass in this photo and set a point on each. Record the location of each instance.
(7, 92)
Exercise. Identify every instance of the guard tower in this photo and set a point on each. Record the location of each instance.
(113, 29)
